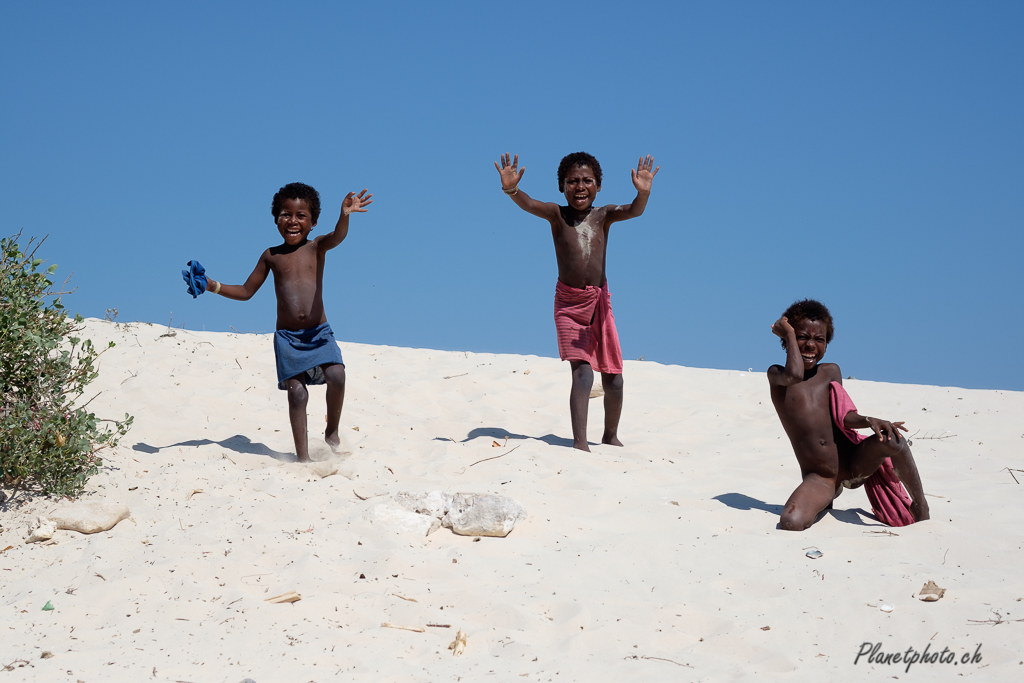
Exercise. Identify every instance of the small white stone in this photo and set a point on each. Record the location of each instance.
(41, 529)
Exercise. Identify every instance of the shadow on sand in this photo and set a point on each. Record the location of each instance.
(856, 516)
(236, 443)
(501, 434)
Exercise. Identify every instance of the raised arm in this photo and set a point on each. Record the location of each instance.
(251, 286)
(793, 372)
(511, 174)
(643, 179)
(353, 203)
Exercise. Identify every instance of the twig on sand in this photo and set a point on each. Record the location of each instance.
(495, 457)
(884, 532)
(1011, 470)
(659, 659)
(405, 598)
(414, 629)
(454, 376)
(995, 622)
(239, 364)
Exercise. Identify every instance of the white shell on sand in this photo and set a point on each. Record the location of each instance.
(483, 514)
(89, 518)
(886, 607)
(41, 529)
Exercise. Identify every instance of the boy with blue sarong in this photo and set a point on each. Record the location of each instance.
(304, 344)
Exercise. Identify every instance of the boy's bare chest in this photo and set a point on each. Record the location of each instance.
(806, 401)
(304, 259)
(585, 238)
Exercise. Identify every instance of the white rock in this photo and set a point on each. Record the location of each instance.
(434, 503)
(398, 518)
(89, 518)
(483, 514)
(41, 529)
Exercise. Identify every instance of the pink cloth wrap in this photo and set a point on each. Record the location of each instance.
(889, 500)
(586, 327)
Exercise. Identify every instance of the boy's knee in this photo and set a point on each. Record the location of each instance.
(335, 375)
(583, 372)
(611, 383)
(297, 393)
(793, 520)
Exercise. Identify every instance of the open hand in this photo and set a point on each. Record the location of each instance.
(509, 171)
(884, 429)
(356, 203)
(782, 328)
(643, 176)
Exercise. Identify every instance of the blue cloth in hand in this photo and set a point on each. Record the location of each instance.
(195, 276)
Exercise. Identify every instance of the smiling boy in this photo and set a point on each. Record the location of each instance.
(819, 419)
(304, 344)
(587, 337)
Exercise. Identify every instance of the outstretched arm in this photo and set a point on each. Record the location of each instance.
(353, 203)
(511, 174)
(643, 179)
(793, 373)
(251, 286)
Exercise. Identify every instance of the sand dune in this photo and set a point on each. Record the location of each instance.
(657, 561)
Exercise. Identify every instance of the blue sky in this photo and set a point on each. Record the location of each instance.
(867, 154)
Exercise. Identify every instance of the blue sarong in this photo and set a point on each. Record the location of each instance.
(303, 352)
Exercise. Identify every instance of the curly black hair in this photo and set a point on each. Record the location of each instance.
(809, 309)
(577, 159)
(297, 191)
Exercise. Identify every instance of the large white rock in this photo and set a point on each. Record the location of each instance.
(483, 514)
(434, 503)
(400, 519)
(89, 518)
(41, 529)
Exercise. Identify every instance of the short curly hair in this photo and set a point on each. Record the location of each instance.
(577, 159)
(809, 309)
(297, 191)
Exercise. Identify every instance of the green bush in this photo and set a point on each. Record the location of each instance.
(47, 440)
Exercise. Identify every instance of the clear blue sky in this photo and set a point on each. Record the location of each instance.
(868, 154)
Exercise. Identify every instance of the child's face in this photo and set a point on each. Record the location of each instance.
(295, 221)
(810, 341)
(581, 187)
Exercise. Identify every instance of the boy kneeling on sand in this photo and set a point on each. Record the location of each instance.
(820, 420)
(304, 344)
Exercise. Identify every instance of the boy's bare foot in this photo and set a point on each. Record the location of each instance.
(581, 446)
(611, 440)
(302, 458)
(333, 440)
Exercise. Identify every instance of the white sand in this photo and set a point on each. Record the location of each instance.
(657, 561)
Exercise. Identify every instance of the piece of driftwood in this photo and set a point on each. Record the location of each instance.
(290, 596)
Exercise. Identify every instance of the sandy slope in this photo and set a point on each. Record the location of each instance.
(657, 561)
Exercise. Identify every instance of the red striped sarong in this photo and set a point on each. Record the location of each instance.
(586, 327)
(889, 500)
